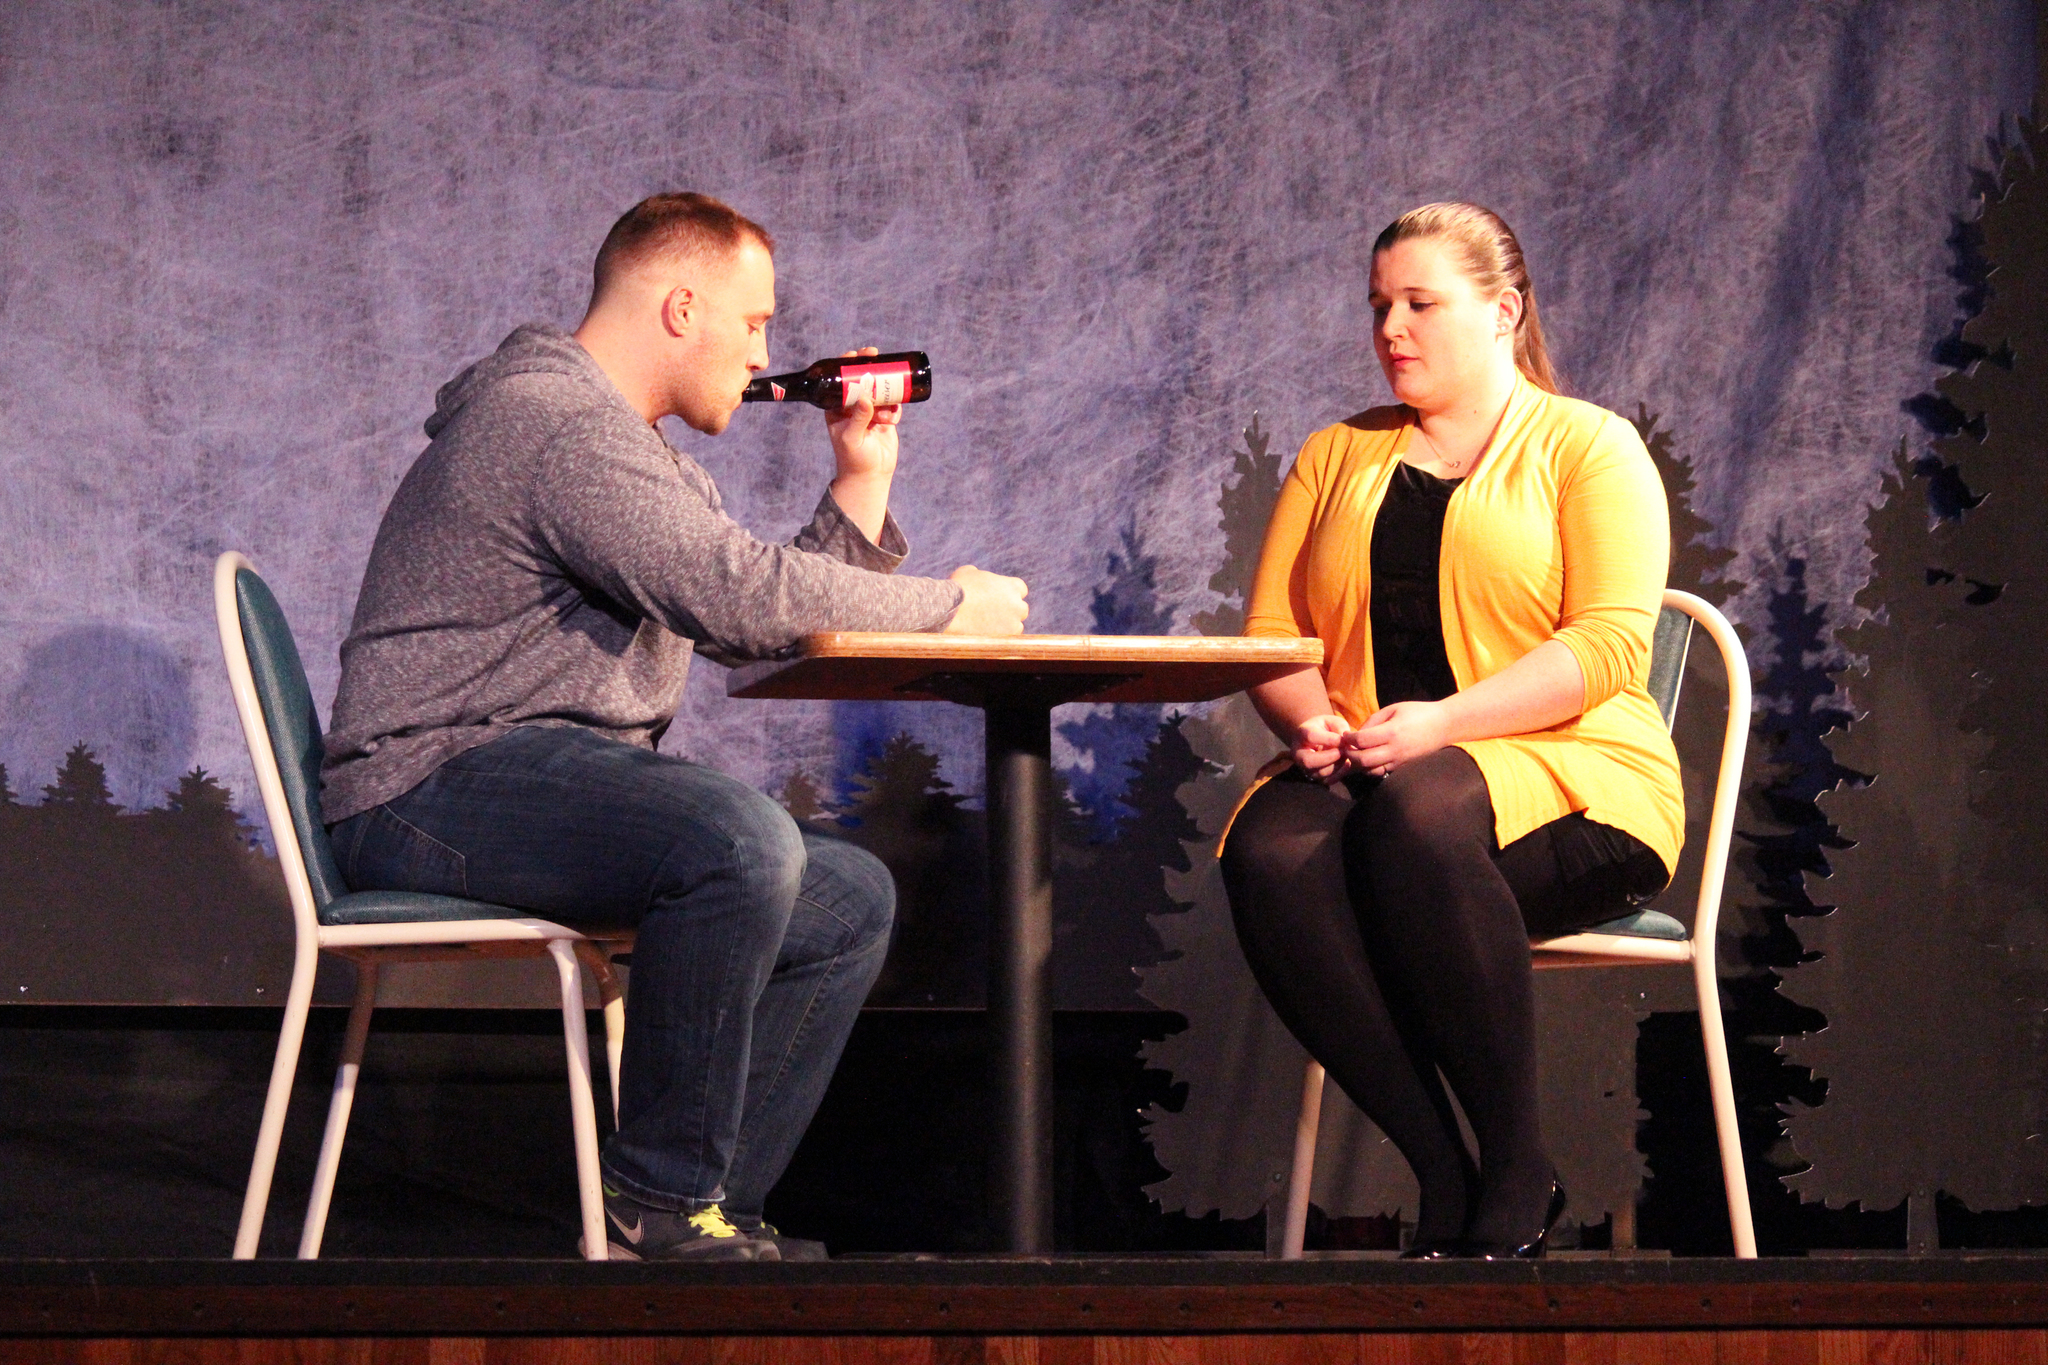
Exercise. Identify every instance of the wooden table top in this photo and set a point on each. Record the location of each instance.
(874, 666)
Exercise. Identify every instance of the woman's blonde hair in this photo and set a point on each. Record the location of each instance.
(1492, 259)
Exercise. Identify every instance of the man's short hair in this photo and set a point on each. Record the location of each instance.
(672, 227)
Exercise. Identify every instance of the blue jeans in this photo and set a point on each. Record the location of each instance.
(757, 943)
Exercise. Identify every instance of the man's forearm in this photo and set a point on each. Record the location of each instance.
(865, 500)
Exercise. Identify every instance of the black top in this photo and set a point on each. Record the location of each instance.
(1605, 868)
(1408, 659)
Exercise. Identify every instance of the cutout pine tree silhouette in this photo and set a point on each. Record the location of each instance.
(1246, 505)
(198, 794)
(1943, 901)
(171, 905)
(904, 813)
(1698, 561)
(81, 783)
(803, 798)
(1112, 739)
(1128, 602)
(1905, 897)
(1235, 1066)
(1779, 831)
(1106, 895)
(1110, 856)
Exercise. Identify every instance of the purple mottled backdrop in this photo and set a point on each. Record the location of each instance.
(241, 245)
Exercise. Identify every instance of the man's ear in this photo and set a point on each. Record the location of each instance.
(679, 310)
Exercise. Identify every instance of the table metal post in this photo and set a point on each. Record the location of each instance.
(1019, 733)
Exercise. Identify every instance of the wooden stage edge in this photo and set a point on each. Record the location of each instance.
(1165, 1297)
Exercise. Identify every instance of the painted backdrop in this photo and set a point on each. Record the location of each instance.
(241, 245)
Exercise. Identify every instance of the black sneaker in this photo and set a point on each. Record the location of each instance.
(641, 1232)
(792, 1248)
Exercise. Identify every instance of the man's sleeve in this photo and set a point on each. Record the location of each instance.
(831, 532)
(616, 512)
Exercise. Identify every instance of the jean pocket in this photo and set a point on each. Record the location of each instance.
(393, 854)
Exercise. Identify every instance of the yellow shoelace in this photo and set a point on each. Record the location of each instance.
(711, 1222)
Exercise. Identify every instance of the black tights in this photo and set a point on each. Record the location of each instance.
(1392, 936)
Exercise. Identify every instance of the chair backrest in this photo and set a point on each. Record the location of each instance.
(281, 725)
(1668, 648)
(1734, 743)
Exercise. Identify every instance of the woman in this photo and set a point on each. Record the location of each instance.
(1478, 760)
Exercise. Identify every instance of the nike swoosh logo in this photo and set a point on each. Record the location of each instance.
(631, 1234)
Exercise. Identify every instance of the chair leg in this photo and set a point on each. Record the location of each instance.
(613, 996)
(582, 1108)
(338, 1108)
(290, 1037)
(1303, 1173)
(614, 1046)
(1721, 1085)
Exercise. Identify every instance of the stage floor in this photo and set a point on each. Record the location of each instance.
(1089, 1295)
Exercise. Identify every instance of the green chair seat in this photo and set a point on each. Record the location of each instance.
(1642, 924)
(410, 907)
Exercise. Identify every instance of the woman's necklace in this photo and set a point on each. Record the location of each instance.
(1458, 466)
(1455, 466)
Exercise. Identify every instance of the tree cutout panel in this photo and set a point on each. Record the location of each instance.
(1108, 897)
(1106, 893)
(1237, 1070)
(176, 905)
(180, 905)
(1933, 966)
(1246, 505)
(1109, 741)
(904, 813)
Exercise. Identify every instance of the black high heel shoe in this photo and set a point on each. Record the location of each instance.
(1526, 1251)
(1436, 1249)
(1449, 1248)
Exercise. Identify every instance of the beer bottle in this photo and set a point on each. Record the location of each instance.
(902, 377)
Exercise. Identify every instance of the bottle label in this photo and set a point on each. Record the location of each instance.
(777, 389)
(881, 385)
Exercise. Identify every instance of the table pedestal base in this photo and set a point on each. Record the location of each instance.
(1020, 779)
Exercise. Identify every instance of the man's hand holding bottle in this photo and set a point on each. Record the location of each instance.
(864, 444)
(862, 393)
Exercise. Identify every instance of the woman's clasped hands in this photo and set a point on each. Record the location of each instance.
(1328, 751)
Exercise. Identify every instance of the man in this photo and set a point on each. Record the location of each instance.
(538, 585)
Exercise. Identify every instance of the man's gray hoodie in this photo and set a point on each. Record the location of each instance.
(550, 560)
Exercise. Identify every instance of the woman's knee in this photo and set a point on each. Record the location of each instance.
(1281, 851)
(1285, 880)
(1435, 807)
(1251, 865)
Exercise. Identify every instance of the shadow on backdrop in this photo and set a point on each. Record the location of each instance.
(114, 688)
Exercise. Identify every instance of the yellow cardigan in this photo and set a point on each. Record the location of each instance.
(1563, 533)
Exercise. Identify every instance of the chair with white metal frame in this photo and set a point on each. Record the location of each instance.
(372, 928)
(1644, 938)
